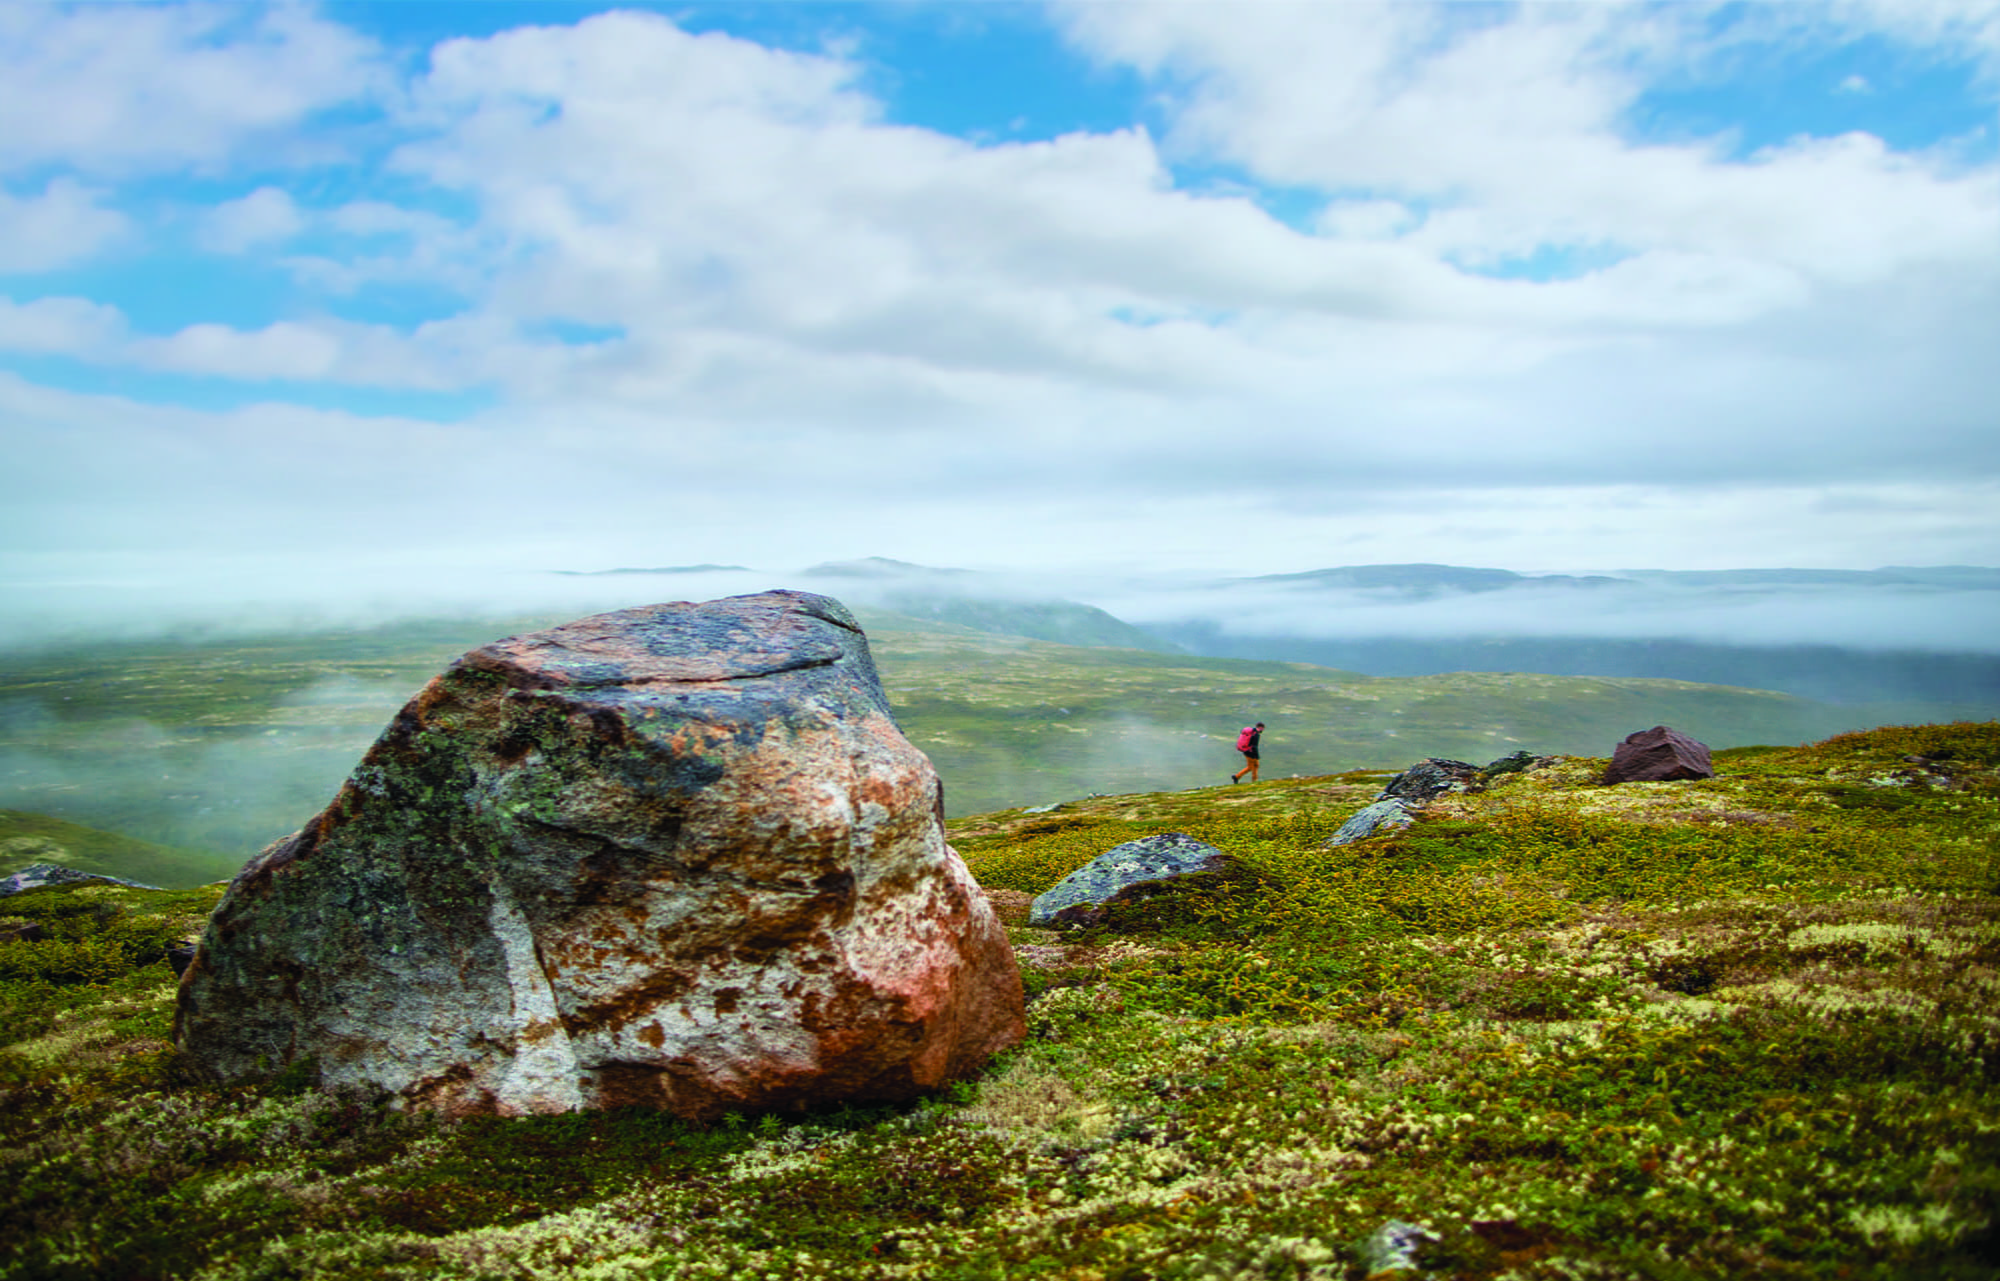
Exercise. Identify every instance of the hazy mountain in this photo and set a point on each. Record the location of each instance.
(1943, 577)
(1852, 637)
(661, 569)
(987, 603)
(1425, 581)
(1955, 685)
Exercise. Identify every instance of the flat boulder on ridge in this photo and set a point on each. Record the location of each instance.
(1429, 779)
(36, 875)
(1123, 872)
(677, 856)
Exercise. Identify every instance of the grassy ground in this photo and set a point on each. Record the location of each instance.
(1744, 1027)
(225, 746)
(27, 838)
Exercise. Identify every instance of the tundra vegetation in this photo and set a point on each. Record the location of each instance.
(1740, 1027)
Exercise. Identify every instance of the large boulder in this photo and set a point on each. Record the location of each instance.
(676, 857)
(1658, 755)
(1123, 872)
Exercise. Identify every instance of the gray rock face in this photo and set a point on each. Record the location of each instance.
(1382, 816)
(1515, 763)
(1118, 870)
(36, 875)
(1659, 755)
(676, 857)
(1428, 779)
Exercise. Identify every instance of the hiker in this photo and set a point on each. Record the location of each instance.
(1246, 743)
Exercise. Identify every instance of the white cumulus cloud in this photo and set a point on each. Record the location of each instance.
(128, 88)
(64, 223)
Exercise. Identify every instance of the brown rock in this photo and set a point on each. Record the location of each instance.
(1658, 755)
(677, 856)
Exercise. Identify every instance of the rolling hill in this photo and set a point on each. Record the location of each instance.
(224, 746)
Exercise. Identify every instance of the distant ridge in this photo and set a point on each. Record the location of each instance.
(1952, 577)
(1427, 578)
(968, 598)
(882, 567)
(1721, 627)
(663, 569)
(1422, 576)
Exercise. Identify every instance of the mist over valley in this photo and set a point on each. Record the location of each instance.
(212, 742)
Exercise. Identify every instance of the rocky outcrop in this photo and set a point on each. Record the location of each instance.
(1429, 779)
(1658, 755)
(1514, 763)
(1397, 805)
(1374, 820)
(36, 875)
(1123, 872)
(676, 857)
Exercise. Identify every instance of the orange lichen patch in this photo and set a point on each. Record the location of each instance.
(650, 992)
(541, 1030)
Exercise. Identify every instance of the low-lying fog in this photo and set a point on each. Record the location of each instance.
(1949, 610)
(1890, 645)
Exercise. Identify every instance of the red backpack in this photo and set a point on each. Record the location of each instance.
(1243, 739)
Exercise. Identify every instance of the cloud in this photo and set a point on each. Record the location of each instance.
(266, 217)
(63, 326)
(1514, 131)
(716, 302)
(63, 225)
(1969, 28)
(123, 89)
(447, 355)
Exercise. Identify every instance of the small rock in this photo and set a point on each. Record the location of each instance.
(1392, 1249)
(1659, 755)
(1515, 763)
(1079, 897)
(180, 955)
(1429, 779)
(1382, 816)
(36, 875)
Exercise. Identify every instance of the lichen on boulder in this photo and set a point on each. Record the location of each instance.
(677, 856)
(1429, 779)
(1115, 874)
(1373, 820)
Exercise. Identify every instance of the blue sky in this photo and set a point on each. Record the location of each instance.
(1251, 287)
